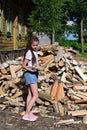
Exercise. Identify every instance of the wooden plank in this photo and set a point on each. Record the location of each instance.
(61, 109)
(69, 121)
(15, 24)
(46, 60)
(57, 92)
(77, 112)
(60, 92)
(78, 70)
(55, 106)
(63, 78)
(59, 55)
(80, 87)
(54, 90)
(84, 94)
(12, 70)
(81, 101)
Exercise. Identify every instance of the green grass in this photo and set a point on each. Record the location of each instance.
(82, 56)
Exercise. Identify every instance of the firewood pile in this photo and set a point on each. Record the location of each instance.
(62, 82)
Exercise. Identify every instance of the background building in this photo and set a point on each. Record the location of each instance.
(13, 29)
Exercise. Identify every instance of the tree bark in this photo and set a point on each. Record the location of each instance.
(53, 36)
(82, 37)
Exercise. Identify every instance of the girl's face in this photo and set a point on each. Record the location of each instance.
(34, 45)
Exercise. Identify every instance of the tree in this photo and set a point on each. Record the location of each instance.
(78, 13)
(48, 17)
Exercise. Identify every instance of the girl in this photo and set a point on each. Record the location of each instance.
(31, 77)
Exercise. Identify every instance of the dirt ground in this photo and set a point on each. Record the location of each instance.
(13, 121)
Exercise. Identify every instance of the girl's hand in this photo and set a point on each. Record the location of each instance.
(34, 70)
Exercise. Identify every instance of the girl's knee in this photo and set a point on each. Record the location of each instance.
(36, 97)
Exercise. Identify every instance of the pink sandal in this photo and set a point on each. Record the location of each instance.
(30, 117)
(25, 117)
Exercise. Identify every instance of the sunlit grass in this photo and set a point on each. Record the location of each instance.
(82, 56)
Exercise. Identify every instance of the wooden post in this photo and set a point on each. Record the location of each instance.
(15, 23)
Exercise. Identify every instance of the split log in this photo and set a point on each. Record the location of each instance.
(85, 119)
(2, 106)
(8, 84)
(13, 102)
(78, 70)
(63, 78)
(61, 109)
(77, 112)
(59, 55)
(55, 106)
(8, 77)
(57, 92)
(12, 70)
(45, 96)
(72, 106)
(13, 74)
(46, 60)
(69, 121)
(84, 94)
(81, 101)
(2, 93)
(80, 87)
(17, 94)
(47, 116)
(3, 70)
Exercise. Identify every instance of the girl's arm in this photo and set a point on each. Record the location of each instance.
(26, 67)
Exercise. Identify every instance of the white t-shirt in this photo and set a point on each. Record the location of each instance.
(29, 57)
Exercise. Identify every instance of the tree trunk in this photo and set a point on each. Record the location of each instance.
(82, 37)
(53, 36)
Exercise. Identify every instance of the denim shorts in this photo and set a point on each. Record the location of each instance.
(30, 77)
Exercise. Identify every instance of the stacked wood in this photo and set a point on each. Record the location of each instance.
(10, 91)
(66, 79)
(62, 82)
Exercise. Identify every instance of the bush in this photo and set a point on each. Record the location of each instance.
(74, 44)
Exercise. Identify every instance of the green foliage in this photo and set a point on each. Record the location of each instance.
(77, 11)
(79, 7)
(85, 47)
(48, 15)
(74, 44)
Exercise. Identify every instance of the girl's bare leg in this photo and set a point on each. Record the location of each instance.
(34, 96)
(28, 99)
